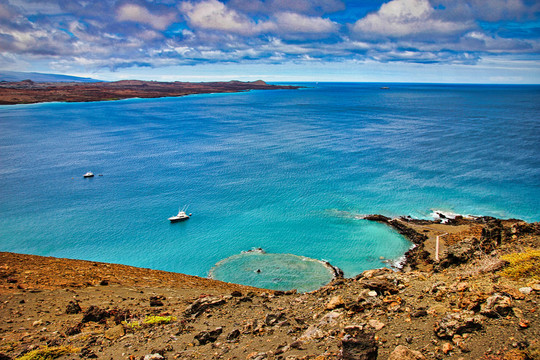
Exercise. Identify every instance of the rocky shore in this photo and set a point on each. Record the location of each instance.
(478, 301)
(28, 92)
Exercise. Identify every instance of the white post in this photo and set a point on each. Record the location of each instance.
(437, 247)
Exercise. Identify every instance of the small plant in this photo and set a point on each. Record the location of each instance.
(522, 265)
(48, 353)
(133, 325)
(149, 321)
(156, 320)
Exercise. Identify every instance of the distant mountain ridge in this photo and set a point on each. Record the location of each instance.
(41, 77)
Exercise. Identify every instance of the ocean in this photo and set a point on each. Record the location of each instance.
(288, 171)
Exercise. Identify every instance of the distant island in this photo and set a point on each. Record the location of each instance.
(29, 92)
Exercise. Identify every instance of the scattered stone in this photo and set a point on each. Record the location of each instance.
(526, 290)
(496, 306)
(380, 285)
(38, 323)
(201, 305)
(453, 324)
(257, 356)
(153, 357)
(87, 353)
(368, 274)
(272, 319)
(419, 313)
(104, 282)
(447, 347)
(524, 324)
(535, 287)
(360, 347)
(156, 300)
(376, 324)
(312, 332)
(73, 308)
(74, 330)
(115, 332)
(233, 335)
(335, 302)
(404, 353)
(236, 293)
(372, 293)
(205, 337)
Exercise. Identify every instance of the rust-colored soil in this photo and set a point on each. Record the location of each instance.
(459, 308)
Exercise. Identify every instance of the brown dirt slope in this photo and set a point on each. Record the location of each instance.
(461, 307)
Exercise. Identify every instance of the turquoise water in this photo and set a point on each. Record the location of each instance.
(273, 271)
(286, 171)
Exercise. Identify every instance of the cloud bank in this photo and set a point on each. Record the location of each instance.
(122, 33)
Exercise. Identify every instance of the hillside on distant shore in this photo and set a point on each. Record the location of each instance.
(41, 77)
(29, 91)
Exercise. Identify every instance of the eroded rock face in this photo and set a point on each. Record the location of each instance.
(459, 253)
(361, 346)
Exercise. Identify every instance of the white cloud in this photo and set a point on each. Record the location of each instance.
(297, 23)
(401, 18)
(214, 15)
(140, 14)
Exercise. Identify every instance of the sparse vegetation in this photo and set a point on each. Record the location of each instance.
(48, 353)
(156, 320)
(522, 265)
(148, 321)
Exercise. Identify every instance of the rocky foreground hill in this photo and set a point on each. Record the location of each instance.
(28, 91)
(480, 300)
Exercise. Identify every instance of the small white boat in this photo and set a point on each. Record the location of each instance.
(88, 174)
(181, 216)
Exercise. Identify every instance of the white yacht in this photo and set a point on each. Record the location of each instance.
(88, 174)
(181, 216)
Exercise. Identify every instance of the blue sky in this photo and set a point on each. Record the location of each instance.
(462, 41)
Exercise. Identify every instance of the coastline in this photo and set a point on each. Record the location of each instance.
(29, 92)
(461, 307)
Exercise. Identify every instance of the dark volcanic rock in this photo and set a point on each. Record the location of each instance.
(233, 335)
(362, 346)
(94, 313)
(73, 308)
(74, 330)
(205, 337)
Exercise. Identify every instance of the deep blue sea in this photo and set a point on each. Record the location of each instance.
(287, 171)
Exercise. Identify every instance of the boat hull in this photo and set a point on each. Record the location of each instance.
(174, 219)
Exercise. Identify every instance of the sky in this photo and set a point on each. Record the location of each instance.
(438, 41)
